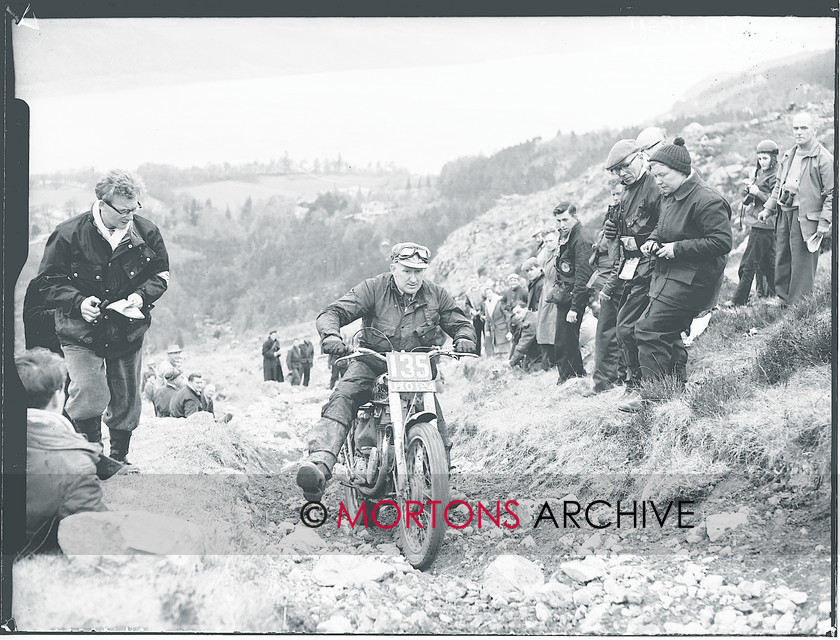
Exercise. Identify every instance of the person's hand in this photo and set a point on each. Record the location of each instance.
(602, 296)
(648, 247)
(763, 215)
(666, 251)
(90, 308)
(135, 300)
(753, 189)
(463, 345)
(571, 317)
(335, 346)
(610, 230)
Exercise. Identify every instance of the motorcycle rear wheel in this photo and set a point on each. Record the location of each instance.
(427, 479)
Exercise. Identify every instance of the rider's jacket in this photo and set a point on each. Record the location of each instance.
(406, 324)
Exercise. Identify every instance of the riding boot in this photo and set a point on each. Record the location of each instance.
(119, 444)
(325, 441)
(90, 428)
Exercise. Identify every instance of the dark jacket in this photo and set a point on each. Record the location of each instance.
(78, 262)
(184, 403)
(60, 475)
(765, 181)
(163, 398)
(39, 320)
(293, 358)
(641, 204)
(535, 288)
(268, 349)
(379, 304)
(525, 338)
(512, 295)
(307, 353)
(696, 218)
(574, 270)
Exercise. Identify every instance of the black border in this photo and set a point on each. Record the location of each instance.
(14, 169)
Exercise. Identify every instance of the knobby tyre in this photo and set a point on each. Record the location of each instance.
(428, 479)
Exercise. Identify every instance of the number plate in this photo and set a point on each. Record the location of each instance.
(404, 366)
(411, 386)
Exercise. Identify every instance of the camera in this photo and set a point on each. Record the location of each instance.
(748, 197)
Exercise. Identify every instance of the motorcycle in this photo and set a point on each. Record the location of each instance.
(394, 452)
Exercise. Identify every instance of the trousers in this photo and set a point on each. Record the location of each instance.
(109, 385)
(759, 258)
(632, 304)
(796, 267)
(567, 344)
(661, 348)
(609, 361)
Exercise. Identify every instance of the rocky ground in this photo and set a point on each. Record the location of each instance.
(757, 560)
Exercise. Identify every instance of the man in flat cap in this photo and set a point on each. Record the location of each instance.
(400, 310)
(637, 218)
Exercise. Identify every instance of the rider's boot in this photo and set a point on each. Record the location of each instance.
(326, 441)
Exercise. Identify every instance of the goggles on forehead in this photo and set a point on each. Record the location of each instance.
(411, 250)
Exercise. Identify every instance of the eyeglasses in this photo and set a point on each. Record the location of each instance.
(411, 250)
(624, 165)
(124, 212)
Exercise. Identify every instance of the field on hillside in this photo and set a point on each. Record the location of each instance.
(233, 193)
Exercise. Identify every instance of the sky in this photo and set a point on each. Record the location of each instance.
(418, 92)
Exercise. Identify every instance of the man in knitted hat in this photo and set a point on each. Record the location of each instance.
(400, 311)
(804, 194)
(637, 218)
(691, 243)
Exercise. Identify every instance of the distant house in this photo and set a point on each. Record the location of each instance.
(374, 208)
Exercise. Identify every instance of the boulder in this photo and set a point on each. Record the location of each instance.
(302, 539)
(584, 571)
(511, 576)
(347, 571)
(336, 624)
(128, 533)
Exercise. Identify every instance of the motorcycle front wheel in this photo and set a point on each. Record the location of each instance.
(427, 480)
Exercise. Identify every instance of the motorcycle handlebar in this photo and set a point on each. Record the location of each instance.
(364, 351)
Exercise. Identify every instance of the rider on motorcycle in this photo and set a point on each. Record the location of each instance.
(400, 311)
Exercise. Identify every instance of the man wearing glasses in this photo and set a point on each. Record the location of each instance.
(400, 311)
(102, 271)
(638, 216)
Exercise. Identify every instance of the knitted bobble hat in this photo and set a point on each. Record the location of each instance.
(674, 156)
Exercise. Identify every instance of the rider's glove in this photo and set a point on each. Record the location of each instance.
(333, 345)
(465, 346)
(610, 230)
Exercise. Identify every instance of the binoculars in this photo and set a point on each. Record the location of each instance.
(787, 196)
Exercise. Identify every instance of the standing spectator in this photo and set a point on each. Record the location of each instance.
(609, 362)
(475, 296)
(547, 311)
(641, 202)
(804, 193)
(162, 396)
(39, 320)
(293, 363)
(187, 400)
(60, 464)
(649, 140)
(106, 254)
(270, 353)
(536, 281)
(496, 324)
(691, 243)
(570, 292)
(307, 357)
(514, 292)
(760, 255)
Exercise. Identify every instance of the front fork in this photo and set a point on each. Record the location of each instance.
(400, 467)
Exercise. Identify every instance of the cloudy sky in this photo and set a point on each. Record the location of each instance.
(418, 92)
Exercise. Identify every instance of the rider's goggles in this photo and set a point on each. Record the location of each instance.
(410, 250)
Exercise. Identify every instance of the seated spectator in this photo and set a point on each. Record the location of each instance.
(187, 400)
(525, 351)
(208, 397)
(61, 476)
(163, 395)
